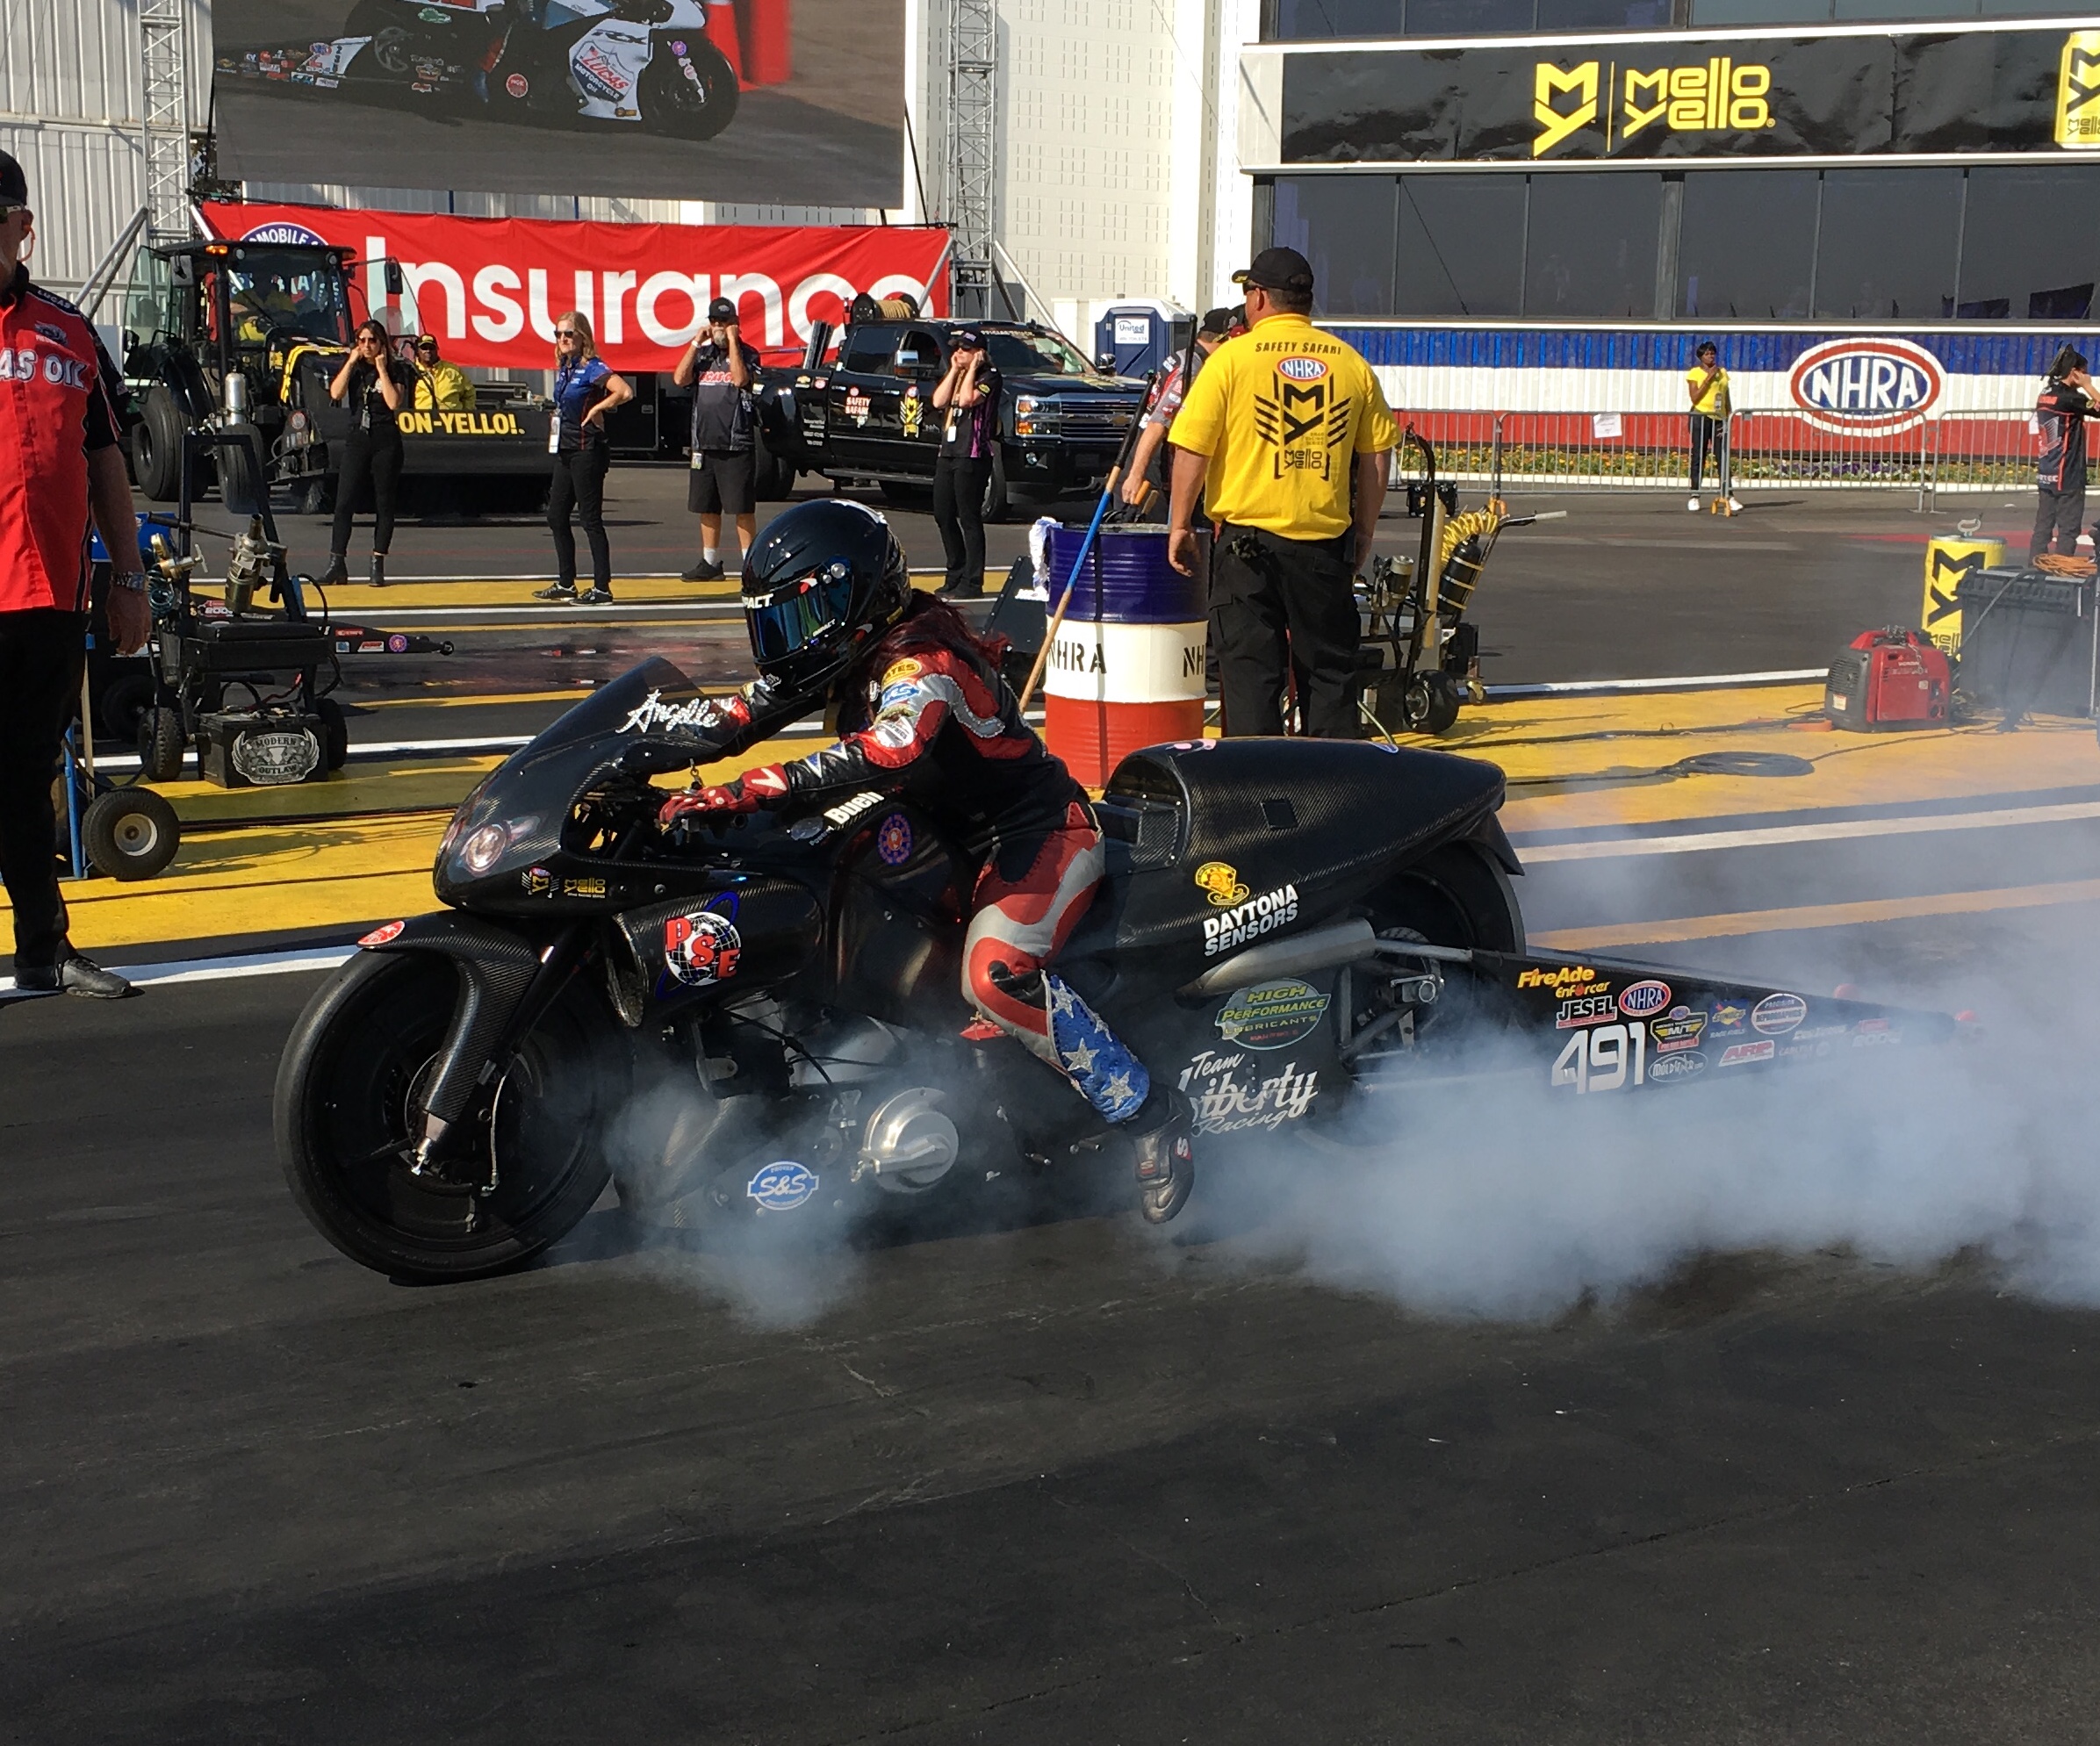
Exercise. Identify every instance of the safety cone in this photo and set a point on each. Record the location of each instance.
(721, 31)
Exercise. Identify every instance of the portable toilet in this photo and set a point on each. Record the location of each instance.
(1138, 335)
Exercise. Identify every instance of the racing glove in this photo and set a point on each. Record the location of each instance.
(747, 794)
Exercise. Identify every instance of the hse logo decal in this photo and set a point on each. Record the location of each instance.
(1865, 385)
(1220, 883)
(1718, 95)
(2078, 93)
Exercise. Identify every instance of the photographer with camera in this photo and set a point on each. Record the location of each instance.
(719, 368)
(377, 386)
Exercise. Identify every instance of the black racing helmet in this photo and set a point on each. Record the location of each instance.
(824, 581)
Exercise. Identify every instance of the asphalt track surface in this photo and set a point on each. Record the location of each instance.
(1278, 1474)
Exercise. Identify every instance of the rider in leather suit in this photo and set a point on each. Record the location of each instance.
(923, 712)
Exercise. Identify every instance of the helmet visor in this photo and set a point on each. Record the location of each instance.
(797, 613)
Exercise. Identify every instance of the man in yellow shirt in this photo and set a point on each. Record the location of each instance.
(1707, 383)
(1274, 433)
(440, 387)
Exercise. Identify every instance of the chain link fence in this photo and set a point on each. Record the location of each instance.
(1956, 452)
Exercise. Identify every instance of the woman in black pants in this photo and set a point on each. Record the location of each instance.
(375, 384)
(968, 397)
(584, 390)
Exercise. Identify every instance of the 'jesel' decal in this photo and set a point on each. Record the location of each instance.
(1250, 920)
(1230, 1093)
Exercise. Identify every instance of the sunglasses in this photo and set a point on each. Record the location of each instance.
(567, 334)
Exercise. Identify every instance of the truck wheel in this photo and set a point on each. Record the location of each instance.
(334, 735)
(999, 503)
(696, 105)
(157, 448)
(241, 489)
(130, 833)
(160, 744)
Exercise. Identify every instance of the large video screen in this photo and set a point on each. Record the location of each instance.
(779, 102)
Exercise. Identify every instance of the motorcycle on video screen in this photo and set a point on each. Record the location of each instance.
(644, 64)
(760, 1017)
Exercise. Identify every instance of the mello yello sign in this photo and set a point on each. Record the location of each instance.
(491, 289)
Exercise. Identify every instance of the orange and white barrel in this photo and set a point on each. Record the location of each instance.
(1126, 668)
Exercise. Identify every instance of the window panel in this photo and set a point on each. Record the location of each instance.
(1467, 18)
(1747, 243)
(1461, 246)
(2028, 244)
(1603, 15)
(1343, 225)
(1886, 249)
(1591, 250)
(1301, 20)
(1853, 11)
(1760, 11)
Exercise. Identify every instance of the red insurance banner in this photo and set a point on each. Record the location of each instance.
(491, 289)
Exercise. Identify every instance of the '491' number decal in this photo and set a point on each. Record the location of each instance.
(1602, 1058)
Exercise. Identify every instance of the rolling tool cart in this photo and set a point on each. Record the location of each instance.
(206, 655)
(128, 832)
(1420, 657)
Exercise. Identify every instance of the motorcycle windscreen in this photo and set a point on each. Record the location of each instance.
(536, 784)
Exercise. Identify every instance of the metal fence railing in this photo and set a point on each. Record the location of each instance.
(1956, 452)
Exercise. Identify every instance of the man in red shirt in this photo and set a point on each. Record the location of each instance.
(62, 413)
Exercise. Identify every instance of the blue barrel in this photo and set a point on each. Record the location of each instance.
(1125, 580)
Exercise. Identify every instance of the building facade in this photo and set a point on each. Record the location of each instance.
(1549, 210)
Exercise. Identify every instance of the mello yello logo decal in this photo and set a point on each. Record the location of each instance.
(1718, 95)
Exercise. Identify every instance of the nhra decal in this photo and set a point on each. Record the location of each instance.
(782, 1186)
(1866, 385)
(1272, 1015)
(702, 948)
(1680, 1030)
(1230, 1095)
(893, 840)
(1221, 882)
(1778, 1013)
(1643, 1000)
(1250, 920)
(1609, 1057)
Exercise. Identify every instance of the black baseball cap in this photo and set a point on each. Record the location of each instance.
(1283, 270)
(426, 342)
(1219, 320)
(14, 185)
(968, 340)
(721, 310)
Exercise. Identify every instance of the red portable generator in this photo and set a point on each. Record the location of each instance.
(1890, 679)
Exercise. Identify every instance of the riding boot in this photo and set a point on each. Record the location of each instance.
(337, 573)
(378, 570)
(1162, 1137)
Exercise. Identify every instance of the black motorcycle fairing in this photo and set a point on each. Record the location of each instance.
(1272, 835)
(503, 972)
(901, 897)
(755, 932)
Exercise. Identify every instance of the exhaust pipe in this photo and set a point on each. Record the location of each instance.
(1323, 949)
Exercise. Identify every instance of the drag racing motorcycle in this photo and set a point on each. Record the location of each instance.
(646, 63)
(1294, 929)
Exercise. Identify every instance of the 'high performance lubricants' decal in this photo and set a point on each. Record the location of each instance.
(1230, 1096)
(1272, 1015)
(1250, 920)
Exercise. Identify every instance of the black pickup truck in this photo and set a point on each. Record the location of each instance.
(868, 416)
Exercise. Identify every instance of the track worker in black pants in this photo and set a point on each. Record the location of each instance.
(376, 385)
(63, 408)
(1271, 436)
(968, 397)
(585, 389)
(2066, 404)
(720, 370)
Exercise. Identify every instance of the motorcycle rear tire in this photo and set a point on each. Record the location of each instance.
(671, 104)
(343, 1093)
(1456, 896)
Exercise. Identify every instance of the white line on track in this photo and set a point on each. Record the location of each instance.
(225, 969)
(1836, 831)
(1690, 682)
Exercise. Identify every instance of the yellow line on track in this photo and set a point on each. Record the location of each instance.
(1819, 915)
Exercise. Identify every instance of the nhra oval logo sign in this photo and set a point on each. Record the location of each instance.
(1865, 385)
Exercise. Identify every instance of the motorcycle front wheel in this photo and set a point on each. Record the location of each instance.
(695, 104)
(530, 1169)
